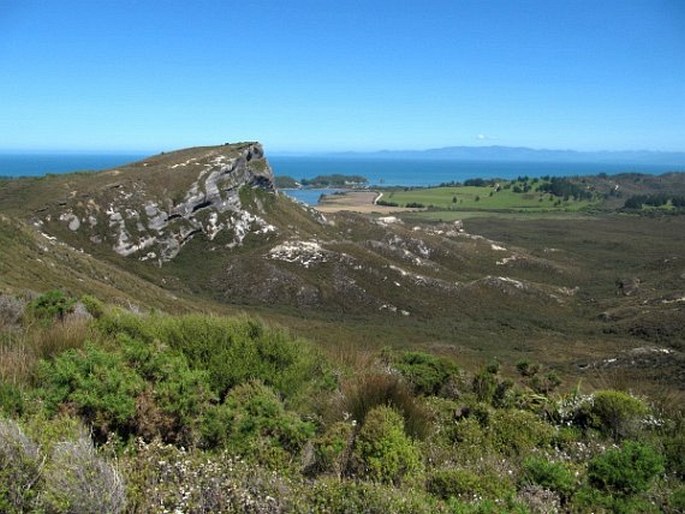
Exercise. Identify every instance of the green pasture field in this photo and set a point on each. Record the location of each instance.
(483, 198)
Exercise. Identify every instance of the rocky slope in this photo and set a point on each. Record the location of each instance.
(209, 221)
(135, 217)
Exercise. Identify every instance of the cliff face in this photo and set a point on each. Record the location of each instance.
(149, 210)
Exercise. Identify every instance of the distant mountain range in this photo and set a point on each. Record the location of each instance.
(523, 154)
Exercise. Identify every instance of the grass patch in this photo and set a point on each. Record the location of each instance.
(484, 198)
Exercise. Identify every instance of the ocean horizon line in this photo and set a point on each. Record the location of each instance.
(388, 172)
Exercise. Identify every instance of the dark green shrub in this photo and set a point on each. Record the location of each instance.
(231, 350)
(545, 384)
(428, 374)
(332, 449)
(674, 450)
(676, 502)
(370, 391)
(514, 432)
(532, 373)
(504, 395)
(466, 484)
(51, 305)
(627, 470)
(469, 437)
(253, 423)
(240, 350)
(588, 499)
(548, 474)
(95, 383)
(509, 506)
(19, 469)
(175, 396)
(11, 399)
(382, 450)
(93, 306)
(485, 383)
(526, 369)
(445, 483)
(617, 413)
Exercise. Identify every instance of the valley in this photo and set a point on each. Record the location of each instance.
(178, 335)
(205, 229)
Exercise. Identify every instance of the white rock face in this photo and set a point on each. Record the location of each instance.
(388, 220)
(163, 223)
(73, 222)
(304, 253)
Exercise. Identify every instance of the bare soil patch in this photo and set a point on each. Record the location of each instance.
(357, 201)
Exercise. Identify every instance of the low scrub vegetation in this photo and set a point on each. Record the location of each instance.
(199, 413)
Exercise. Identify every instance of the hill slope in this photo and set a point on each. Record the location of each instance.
(204, 228)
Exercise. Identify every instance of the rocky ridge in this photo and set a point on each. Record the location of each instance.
(137, 218)
(191, 212)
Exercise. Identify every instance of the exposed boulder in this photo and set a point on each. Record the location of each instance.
(628, 286)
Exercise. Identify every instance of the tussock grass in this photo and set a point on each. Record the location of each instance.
(363, 394)
(20, 351)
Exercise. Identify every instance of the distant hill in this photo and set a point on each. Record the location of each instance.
(523, 154)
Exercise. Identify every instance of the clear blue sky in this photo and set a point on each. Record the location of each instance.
(303, 75)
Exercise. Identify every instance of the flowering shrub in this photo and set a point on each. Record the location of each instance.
(165, 478)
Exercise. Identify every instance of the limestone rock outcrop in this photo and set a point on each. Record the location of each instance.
(156, 206)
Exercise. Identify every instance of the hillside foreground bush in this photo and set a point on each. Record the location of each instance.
(201, 414)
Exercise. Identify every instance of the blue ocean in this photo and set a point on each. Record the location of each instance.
(423, 172)
(39, 164)
(379, 171)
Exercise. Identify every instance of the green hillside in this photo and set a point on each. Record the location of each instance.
(190, 339)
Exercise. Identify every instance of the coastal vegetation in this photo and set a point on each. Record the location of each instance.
(524, 195)
(285, 182)
(196, 413)
(322, 181)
